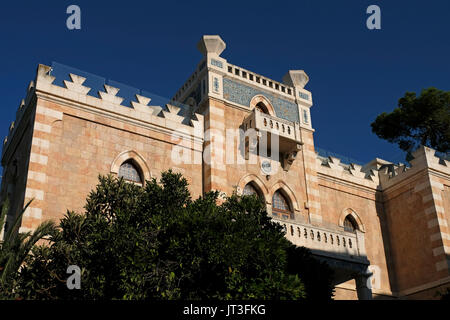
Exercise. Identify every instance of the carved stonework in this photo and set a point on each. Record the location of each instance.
(288, 159)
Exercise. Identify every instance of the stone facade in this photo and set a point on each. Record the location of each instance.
(225, 129)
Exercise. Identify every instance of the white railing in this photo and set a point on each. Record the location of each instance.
(335, 243)
(283, 128)
(261, 81)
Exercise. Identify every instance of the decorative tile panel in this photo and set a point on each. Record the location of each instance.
(216, 84)
(305, 117)
(304, 95)
(242, 94)
(217, 63)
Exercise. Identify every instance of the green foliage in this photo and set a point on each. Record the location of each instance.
(423, 120)
(157, 243)
(316, 275)
(15, 248)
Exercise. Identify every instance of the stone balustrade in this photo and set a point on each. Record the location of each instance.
(327, 242)
(261, 81)
(264, 122)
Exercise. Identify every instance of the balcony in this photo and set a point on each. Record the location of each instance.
(275, 130)
(341, 245)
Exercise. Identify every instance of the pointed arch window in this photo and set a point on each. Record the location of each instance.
(252, 189)
(350, 224)
(129, 171)
(249, 190)
(262, 108)
(280, 205)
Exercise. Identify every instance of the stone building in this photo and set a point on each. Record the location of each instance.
(383, 227)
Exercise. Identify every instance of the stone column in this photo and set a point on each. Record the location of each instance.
(363, 285)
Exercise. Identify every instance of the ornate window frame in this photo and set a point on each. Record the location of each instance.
(260, 98)
(257, 182)
(350, 212)
(139, 161)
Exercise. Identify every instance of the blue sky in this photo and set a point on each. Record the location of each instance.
(355, 73)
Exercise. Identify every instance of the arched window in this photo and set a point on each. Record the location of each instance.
(130, 172)
(280, 205)
(350, 224)
(251, 189)
(262, 108)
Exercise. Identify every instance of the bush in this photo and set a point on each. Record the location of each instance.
(157, 243)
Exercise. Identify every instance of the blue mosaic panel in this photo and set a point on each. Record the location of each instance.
(304, 96)
(242, 94)
(305, 117)
(216, 63)
(216, 84)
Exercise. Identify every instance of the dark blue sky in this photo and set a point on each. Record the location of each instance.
(355, 73)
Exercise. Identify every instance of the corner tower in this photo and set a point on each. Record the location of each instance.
(232, 98)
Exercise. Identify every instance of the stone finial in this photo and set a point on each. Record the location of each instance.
(211, 44)
(296, 78)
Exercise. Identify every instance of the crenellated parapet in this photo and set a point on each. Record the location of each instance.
(381, 174)
(424, 158)
(75, 93)
(360, 175)
(17, 125)
(216, 78)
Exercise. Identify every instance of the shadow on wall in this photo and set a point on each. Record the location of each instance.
(385, 234)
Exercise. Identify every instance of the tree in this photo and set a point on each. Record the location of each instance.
(423, 120)
(15, 248)
(157, 243)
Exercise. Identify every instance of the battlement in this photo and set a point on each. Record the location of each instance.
(382, 174)
(21, 110)
(202, 83)
(352, 172)
(191, 83)
(424, 159)
(74, 89)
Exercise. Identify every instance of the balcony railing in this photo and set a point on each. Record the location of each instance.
(286, 134)
(264, 122)
(337, 244)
